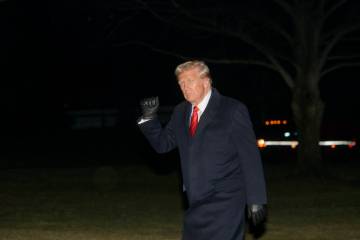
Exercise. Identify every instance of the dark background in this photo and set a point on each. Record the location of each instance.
(63, 56)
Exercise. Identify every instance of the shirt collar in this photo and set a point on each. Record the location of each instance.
(202, 105)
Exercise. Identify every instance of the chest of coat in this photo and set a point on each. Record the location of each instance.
(212, 137)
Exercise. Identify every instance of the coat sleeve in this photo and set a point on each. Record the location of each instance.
(161, 139)
(249, 155)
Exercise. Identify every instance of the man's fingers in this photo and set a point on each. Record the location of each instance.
(150, 102)
(155, 101)
(258, 217)
(255, 218)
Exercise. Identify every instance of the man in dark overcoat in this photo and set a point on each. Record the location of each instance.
(221, 166)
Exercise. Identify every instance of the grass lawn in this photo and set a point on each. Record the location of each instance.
(134, 203)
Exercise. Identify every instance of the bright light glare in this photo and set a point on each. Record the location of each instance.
(333, 143)
(261, 143)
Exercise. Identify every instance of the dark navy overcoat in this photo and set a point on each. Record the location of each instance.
(221, 166)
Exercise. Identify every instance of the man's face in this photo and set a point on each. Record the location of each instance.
(193, 87)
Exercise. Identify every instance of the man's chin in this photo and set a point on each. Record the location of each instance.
(187, 98)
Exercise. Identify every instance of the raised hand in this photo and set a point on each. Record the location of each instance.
(149, 107)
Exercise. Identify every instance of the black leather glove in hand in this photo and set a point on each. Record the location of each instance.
(257, 213)
(149, 107)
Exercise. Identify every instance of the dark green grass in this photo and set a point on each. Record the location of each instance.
(135, 203)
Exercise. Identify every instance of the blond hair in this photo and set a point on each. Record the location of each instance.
(200, 65)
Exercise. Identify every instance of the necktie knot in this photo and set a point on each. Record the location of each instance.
(194, 121)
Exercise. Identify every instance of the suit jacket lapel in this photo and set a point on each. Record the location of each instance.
(186, 121)
(209, 112)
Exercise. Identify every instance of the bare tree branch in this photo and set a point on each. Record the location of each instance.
(183, 57)
(206, 25)
(351, 39)
(342, 65)
(247, 39)
(333, 9)
(280, 69)
(199, 23)
(118, 23)
(276, 27)
(272, 66)
(334, 58)
(322, 4)
(336, 38)
(146, 6)
(285, 6)
(175, 4)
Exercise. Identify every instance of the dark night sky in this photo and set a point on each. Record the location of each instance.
(63, 53)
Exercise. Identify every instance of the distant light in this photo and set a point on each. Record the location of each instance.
(352, 144)
(261, 143)
(336, 143)
(276, 122)
(287, 134)
(280, 143)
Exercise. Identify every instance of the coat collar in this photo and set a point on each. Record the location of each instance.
(208, 114)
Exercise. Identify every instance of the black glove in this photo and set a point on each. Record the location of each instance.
(257, 213)
(149, 107)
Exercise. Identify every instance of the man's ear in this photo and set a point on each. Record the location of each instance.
(207, 82)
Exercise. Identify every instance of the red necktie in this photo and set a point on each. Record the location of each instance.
(194, 121)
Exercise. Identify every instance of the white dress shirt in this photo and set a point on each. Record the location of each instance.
(202, 105)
